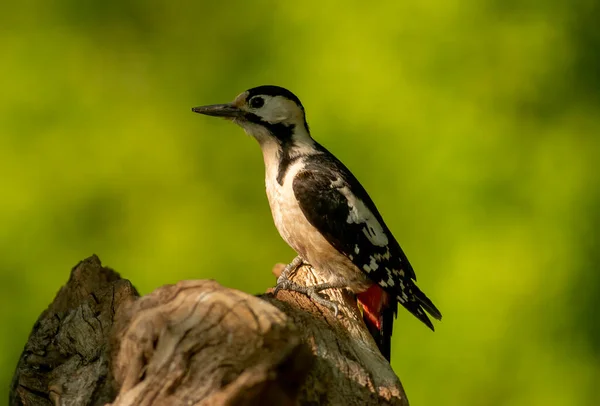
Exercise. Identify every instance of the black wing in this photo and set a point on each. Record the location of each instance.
(323, 189)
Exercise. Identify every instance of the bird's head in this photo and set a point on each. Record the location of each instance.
(268, 113)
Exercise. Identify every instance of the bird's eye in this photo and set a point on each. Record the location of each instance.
(257, 102)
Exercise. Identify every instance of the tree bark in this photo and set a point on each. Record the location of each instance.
(198, 343)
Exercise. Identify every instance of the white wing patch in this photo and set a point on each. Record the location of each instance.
(373, 265)
(375, 259)
(390, 279)
(360, 214)
(398, 272)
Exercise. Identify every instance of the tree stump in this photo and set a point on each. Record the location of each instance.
(198, 343)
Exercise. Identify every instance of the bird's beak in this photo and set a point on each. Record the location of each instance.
(219, 110)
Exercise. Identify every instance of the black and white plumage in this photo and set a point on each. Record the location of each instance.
(324, 213)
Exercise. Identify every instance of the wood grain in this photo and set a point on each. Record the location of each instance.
(198, 343)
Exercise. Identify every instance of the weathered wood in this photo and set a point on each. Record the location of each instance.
(65, 359)
(349, 369)
(198, 343)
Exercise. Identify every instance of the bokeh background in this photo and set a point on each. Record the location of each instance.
(474, 125)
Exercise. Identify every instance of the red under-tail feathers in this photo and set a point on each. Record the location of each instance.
(379, 311)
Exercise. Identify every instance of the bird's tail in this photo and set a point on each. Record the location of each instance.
(383, 335)
(379, 311)
(418, 304)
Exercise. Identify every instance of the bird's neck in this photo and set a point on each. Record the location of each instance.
(279, 155)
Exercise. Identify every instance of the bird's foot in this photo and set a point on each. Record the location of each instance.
(313, 292)
(284, 278)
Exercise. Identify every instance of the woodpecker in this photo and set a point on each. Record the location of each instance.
(323, 212)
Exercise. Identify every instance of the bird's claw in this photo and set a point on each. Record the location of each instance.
(329, 304)
(313, 292)
(286, 284)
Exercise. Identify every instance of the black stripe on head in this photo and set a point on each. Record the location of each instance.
(271, 90)
(283, 133)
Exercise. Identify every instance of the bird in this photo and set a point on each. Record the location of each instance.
(325, 215)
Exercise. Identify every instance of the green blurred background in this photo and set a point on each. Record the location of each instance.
(474, 124)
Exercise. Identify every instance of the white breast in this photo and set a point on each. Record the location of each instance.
(287, 214)
(295, 229)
